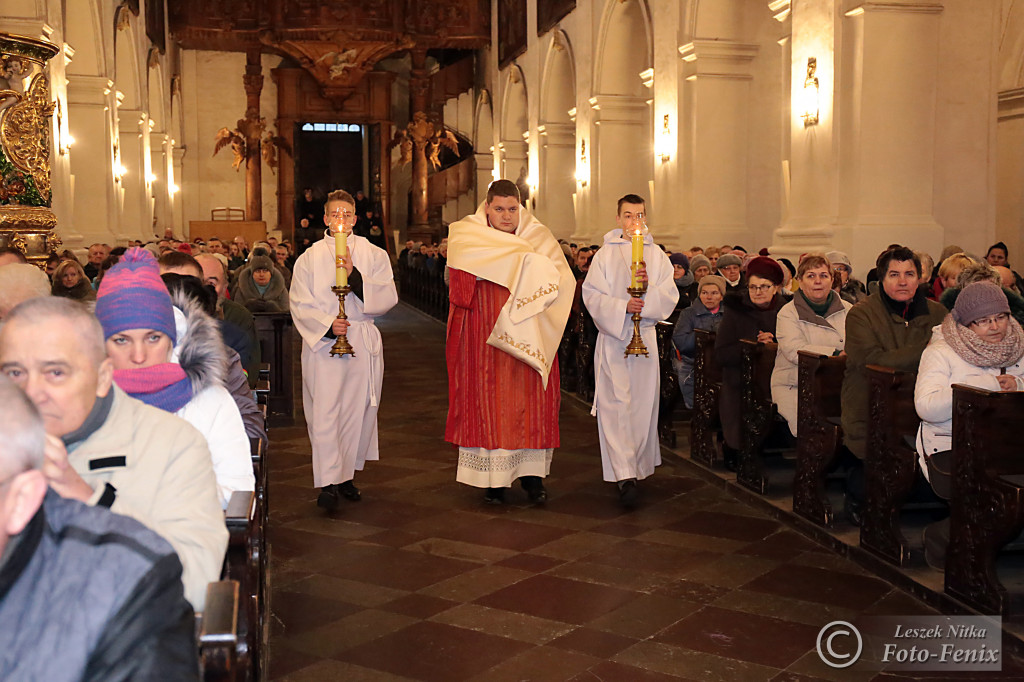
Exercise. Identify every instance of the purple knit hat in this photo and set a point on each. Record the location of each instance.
(132, 296)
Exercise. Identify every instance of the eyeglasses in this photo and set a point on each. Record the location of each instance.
(990, 321)
(760, 288)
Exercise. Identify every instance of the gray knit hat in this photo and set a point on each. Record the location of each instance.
(978, 300)
(715, 280)
(700, 260)
(839, 258)
(729, 259)
(260, 262)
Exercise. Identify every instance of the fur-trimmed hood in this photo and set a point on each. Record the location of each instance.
(274, 299)
(200, 346)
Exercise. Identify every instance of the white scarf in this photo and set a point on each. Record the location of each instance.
(532, 266)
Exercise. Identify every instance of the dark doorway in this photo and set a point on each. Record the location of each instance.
(328, 156)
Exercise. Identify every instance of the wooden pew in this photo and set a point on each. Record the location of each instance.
(707, 389)
(218, 633)
(670, 394)
(758, 412)
(265, 371)
(890, 463)
(987, 504)
(276, 335)
(263, 392)
(819, 407)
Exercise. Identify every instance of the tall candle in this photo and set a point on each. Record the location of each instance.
(638, 256)
(340, 250)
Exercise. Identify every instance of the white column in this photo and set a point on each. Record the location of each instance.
(95, 201)
(557, 178)
(136, 210)
(514, 157)
(620, 156)
(159, 142)
(713, 146)
(177, 178)
(484, 175)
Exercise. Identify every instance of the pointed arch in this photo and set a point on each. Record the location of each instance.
(558, 82)
(624, 48)
(514, 110)
(483, 123)
(85, 32)
(127, 75)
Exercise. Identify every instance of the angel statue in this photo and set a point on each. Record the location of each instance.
(422, 132)
(249, 128)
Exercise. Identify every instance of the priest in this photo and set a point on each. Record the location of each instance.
(341, 394)
(627, 388)
(510, 291)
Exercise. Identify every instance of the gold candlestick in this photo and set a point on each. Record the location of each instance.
(341, 345)
(636, 345)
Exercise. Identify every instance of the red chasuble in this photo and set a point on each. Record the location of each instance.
(494, 400)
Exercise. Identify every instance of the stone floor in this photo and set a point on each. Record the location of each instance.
(421, 581)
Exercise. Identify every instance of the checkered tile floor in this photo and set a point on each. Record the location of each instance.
(421, 581)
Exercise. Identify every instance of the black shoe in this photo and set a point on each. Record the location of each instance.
(628, 492)
(729, 456)
(494, 496)
(853, 510)
(349, 491)
(328, 498)
(534, 487)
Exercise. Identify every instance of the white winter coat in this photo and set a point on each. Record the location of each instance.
(940, 368)
(799, 328)
(212, 411)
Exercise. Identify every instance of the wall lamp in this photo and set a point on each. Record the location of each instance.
(666, 141)
(810, 98)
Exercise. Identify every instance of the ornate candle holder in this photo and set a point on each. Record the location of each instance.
(341, 345)
(636, 345)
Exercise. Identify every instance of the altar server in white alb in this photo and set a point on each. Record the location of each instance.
(341, 394)
(626, 388)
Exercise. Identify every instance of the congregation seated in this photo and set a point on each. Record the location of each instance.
(259, 285)
(815, 321)
(977, 344)
(237, 325)
(173, 358)
(706, 314)
(85, 594)
(750, 314)
(109, 449)
(20, 282)
(850, 289)
(700, 266)
(69, 281)
(891, 328)
(683, 279)
(730, 267)
(975, 271)
(187, 290)
(999, 256)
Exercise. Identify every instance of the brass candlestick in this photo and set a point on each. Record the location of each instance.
(341, 345)
(636, 345)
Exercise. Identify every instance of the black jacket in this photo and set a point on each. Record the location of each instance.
(86, 594)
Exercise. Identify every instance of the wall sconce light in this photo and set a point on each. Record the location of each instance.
(174, 188)
(151, 178)
(69, 140)
(810, 98)
(583, 166)
(666, 141)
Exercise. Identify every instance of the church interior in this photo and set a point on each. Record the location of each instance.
(785, 126)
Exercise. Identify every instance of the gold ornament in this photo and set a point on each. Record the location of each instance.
(25, 132)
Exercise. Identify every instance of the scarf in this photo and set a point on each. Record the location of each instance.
(531, 265)
(164, 385)
(980, 353)
(94, 420)
(819, 309)
(908, 310)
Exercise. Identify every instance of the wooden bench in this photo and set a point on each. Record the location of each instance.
(265, 371)
(245, 530)
(218, 633)
(263, 392)
(707, 389)
(670, 394)
(890, 463)
(987, 496)
(758, 412)
(276, 333)
(819, 406)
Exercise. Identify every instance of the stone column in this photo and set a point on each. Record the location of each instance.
(26, 221)
(419, 90)
(713, 130)
(96, 198)
(177, 211)
(159, 188)
(253, 83)
(557, 178)
(133, 151)
(620, 155)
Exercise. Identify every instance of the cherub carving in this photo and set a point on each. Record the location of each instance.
(424, 133)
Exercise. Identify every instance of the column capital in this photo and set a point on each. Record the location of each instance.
(717, 58)
(557, 134)
(89, 89)
(618, 107)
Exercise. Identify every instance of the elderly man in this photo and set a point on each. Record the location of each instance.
(729, 265)
(114, 451)
(97, 254)
(20, 282)
(94, 595)
(237, 324)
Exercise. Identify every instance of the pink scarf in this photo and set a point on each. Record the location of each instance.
(165, 385)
